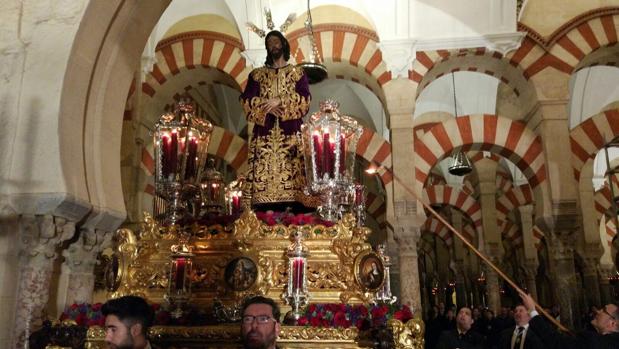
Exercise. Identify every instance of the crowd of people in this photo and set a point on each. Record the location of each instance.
(520, 327)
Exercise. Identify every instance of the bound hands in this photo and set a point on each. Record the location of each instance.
(274, 106)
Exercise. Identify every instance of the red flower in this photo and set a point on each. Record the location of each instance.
(162, 318)
(339, 320)
(363, 311)
(311, 309)
(315, 321)
(74, 306)
(81, 319)
(92, 323)
(96, 307)
(302, 321)
(363, 324)
(403, 314)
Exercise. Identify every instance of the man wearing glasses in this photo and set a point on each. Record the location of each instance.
(606, 324)
(260, 323)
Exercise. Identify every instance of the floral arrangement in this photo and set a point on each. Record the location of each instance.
(272, 218)
(84, 314)
(346, 315)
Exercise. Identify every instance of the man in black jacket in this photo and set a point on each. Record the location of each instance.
(606, 324)
(462, 337)
(519, 336)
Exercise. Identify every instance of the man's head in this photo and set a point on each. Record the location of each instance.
(607, 319)
(260, 323)
(127, 320)
(277, 46)
(476, 313)
(464, 320)
(521, 315)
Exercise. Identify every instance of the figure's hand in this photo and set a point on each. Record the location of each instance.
(527, 301)
(278, 111)
(272, 104)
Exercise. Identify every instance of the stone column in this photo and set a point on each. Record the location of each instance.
(605, 286)
(591, 281)
(492, 288)
(40, 237)
(407, 234)
(79, 264)
(562, 251)
(530, 268)
(458, 258)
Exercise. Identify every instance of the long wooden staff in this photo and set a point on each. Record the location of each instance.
(470, 246)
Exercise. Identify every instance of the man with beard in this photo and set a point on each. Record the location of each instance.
(606, 324)
(127, 320)
(260, 323)
(275, 100)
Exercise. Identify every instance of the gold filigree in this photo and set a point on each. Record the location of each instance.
(245, 228)
(407, 335)
(325, 276)
(296, 333)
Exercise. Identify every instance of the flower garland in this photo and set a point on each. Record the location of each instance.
(272, 218)
(346, 315)
(84, 314)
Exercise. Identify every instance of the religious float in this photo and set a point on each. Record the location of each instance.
(200, 256)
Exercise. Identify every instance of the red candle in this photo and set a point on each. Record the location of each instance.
(332, 158)
(173, 152)
(297, 274)
(165, 154)
(317, 154)
(236, 204)
(326, 157)
(359, 194)
(180, 273)
(190, 168)
(342, 166)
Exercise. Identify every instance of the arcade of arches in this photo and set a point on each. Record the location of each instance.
(526, 88)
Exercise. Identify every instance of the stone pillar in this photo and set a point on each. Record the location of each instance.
(591, 281)
(606, 295)
(79, 264)
(492, 244)
(407, 235)
(562, 251)
(530, 275)
(458, 259)
(40, 237)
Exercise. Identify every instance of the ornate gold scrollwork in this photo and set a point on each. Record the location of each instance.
(407, 335)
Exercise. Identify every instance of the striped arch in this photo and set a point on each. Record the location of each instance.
(376, 150)
(567, 46)
(447, 195)
(503, 182)
(603, 199)
(376, 207)
(351, 47)
(435, 226)
(513, 235)
(189, 50)
(432, 65)
(609, 232)
(510, 139)
(512, 199)
(591, 135)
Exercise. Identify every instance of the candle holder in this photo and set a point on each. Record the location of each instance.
(359, 204)
(234, 196)
(329, 145)
(384, 294)
(296, 294)
(181, 140)
(179, 281)
(212, 190)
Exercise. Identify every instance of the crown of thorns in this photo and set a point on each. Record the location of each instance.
(270, 25)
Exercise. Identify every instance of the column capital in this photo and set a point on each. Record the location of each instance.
(41, 235)
(81, 256)
(399, 56)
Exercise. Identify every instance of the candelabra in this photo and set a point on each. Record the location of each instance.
(296, 294)
(384, 293)
(359, 204)
(179, 281)
(181, 141)
(234, 196)
(329, 144)
(212, 190)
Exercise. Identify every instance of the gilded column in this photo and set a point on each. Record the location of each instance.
(79, 264)
(40, 238)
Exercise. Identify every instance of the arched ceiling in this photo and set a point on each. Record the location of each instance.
(591, 89)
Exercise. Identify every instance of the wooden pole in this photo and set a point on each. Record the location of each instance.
(475, 250)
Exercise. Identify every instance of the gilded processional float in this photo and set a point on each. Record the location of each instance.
(206, 252)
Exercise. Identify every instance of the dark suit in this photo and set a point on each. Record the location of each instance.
(553, 339)
(530, 338)
(451, 339)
